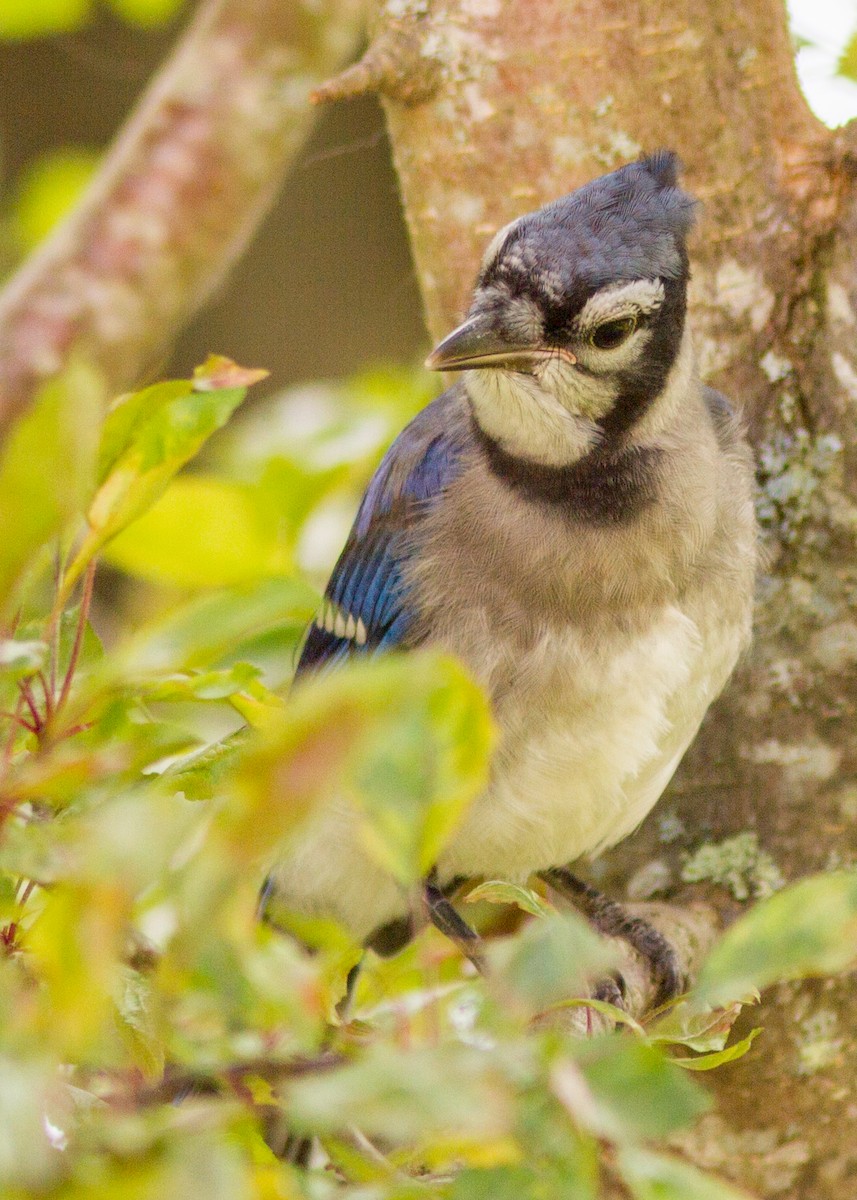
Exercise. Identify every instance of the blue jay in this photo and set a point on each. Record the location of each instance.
(574, 520)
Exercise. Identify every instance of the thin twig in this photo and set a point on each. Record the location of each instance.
(55, 630)
(75, 729)
(178, 1083)
(13, 716)
(49, 695)
(30, 700)
(83, 614)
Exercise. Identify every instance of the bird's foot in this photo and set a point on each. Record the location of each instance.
(610, 990)
(612, 920)
(445, 918)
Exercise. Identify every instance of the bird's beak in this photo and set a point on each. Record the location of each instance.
(478, 343)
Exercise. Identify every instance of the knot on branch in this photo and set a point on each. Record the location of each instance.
(395, 65)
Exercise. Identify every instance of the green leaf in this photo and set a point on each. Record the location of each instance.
(498, 1183)
(847, 65)
(202, 775)
(147, 437)
(46, 467)
(147, 14)
(421, 766)
(204, 532)
(202, 685)
(708, 1062)
(132, 411)
(809, 928)
(159, 443)
(75, 946)
(549, 961)
(642, 1090)
(260, 708)
(289, 492)
(35, 18)
(405, 737)
(699, 1028)
(498, 891)
(48, 189)
(200, 632)
(405, 1096)
(138, 1027)
(658, 1177)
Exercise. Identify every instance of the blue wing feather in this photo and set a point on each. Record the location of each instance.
(367, 583)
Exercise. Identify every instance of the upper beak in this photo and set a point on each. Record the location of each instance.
(477, 343)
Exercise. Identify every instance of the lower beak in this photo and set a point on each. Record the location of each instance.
(477, 344)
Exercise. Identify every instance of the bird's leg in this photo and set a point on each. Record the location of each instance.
(612, 920)
(343, 1008)
(444, 917)
(390, 938)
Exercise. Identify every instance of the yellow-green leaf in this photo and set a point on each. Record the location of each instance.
(147, 14)
(809, 928)
(147, 437)
(158, 446)
(203, 532)
(406, 738)
(48, 189)
(260, 708)
(46, 467)
(420, 767)
(847, 65)
(499, 891)
(212, 624)
(708, 1062)
(35, 18)
(74, 950)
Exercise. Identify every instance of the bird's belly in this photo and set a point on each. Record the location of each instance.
(591, 733)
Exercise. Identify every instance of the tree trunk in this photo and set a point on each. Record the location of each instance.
(495, 108)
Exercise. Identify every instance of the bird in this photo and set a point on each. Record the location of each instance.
(574, 520)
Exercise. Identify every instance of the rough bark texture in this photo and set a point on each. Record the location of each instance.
(178, 197)
(495, 108)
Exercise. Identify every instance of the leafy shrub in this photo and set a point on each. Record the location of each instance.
(157, 1039)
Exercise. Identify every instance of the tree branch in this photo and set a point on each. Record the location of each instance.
(178, 197)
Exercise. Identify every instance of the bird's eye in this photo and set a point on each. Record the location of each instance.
(611, 334)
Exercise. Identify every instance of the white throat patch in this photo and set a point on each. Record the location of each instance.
(528, 420)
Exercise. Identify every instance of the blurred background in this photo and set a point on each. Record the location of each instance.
(329, 273)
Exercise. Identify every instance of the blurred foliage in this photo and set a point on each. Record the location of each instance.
(47, 190)
(157, 1039)
(20, 19)
(847, 64)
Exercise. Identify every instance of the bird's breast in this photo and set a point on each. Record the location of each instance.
(591, 730)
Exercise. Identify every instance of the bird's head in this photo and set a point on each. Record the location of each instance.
(577, 322)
